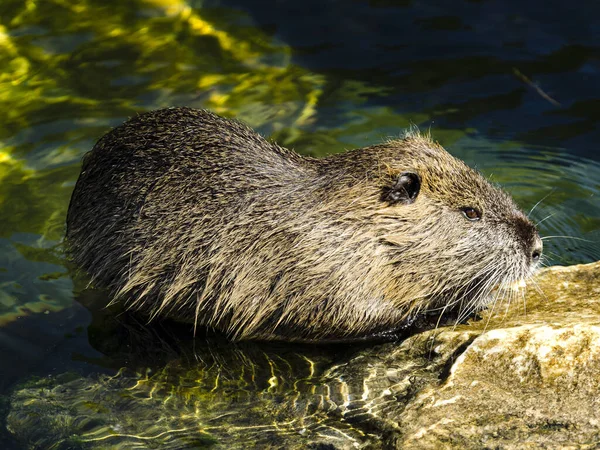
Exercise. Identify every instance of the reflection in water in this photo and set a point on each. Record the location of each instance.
(176, 392)
(173, 391)
(315, 80)
(197, 405)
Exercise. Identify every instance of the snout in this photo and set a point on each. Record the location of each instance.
(536, 249)
(529, 238)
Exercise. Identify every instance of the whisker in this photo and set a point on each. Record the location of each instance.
(484, 292)
(523, 298)
(463, 280)
(539, 289)
(509, 299)
(566, 237)
(543, 198)
(555, 256)
(471, 304)
(491, 266)
(494, 302)
(514, 275)
(544, 219)
(437, 324)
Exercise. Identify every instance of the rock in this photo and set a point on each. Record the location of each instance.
(528, 381)
(513, 379)
(532, 385)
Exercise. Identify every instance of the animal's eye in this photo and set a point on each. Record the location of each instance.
(471, 213)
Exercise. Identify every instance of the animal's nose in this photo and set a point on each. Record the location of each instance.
(536, 248)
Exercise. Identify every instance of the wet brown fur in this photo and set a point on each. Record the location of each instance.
(184, 214)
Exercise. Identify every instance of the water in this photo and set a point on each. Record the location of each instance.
(511, 87)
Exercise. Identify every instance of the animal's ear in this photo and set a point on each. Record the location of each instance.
(404, 190)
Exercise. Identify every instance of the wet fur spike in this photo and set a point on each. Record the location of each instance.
(181, 213)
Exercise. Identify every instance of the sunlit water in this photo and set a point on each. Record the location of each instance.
(513, 88)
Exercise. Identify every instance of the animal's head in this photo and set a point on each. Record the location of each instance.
(452, 238)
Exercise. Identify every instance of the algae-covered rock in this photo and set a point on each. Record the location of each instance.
(512, 379)
(528, 381)
(534, 386)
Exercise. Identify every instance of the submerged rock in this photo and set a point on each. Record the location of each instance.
(514, 379)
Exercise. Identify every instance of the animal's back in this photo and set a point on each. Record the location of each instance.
(180, 143)
(159, 189)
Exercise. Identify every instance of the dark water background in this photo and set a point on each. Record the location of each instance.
(512, 87)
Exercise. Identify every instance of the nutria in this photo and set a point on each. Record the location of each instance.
(184, 214)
